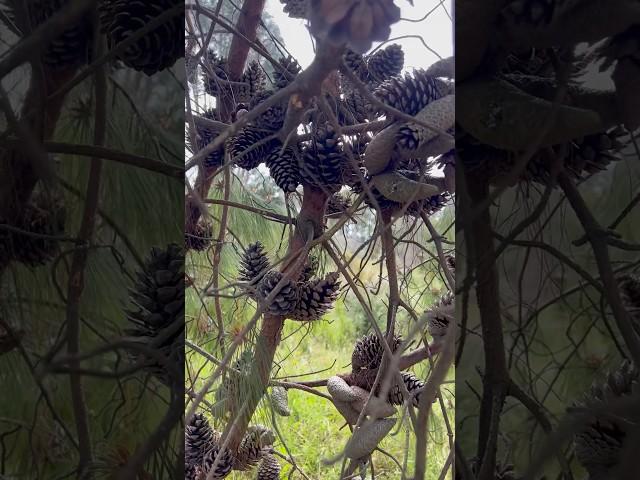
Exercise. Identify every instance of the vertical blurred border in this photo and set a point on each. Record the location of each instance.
(548, 187)
(91, 239)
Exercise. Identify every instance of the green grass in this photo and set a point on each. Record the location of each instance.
(313, 431)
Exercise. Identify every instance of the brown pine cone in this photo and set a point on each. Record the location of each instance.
(358, 23)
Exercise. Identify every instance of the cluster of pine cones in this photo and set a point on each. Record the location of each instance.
(532, 72)
(306, 299)
(203, 452)
(119, 20)
(323, 158)
(608, 437)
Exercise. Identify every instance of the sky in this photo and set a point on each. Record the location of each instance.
(435, 30)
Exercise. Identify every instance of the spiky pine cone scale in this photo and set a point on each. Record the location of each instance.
(254, 263)
(286, 300)
(253, 447)
(73, 46)
(272, 119)
(357, 64)
(250, 147)
(324, 162)
(316, 297)
(224, 465)
(214, 74)
(598, 447)
(205, 136)
(200, 239)
(386, 63)
(283, 168)
(255, 80)
(368, 351)
(412, 92)
(413, 384)
(269, 468)
(198, 437)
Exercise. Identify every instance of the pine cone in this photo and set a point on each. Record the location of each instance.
(599, 445)
(190, 471)
(158, 299)
(269, 468)
(255, 80)
(37, 220)
(200, 239)
(386, 63)
(216, 158)
(413, 384)
(254, 445)
(296, 8)
(155, 51)
(286, 300)
(451, 263)
(249, 148)
(292, 68)
(273, 119)
(412, 92)
(225, 464)
(324, 163)
(280, 401)
(198, 437)
(357, 64)
(531, 12)
(593, 153)
(413, 136)
(357, 23)
(367, 352)
(254, 263)
(214, 84)
(367, 437)
(354, 109)
(316, 298)
(72, 47)
(310, 269)
(429, 205)
(283, 168)
(439, 316)
(582, 157)
(433, 204)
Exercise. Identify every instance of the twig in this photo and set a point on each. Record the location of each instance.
(76, 275)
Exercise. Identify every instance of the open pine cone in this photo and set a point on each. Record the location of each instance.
(357, 23)
(153, 52)
(157, 315)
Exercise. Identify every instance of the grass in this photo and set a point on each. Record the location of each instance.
(313, 431)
